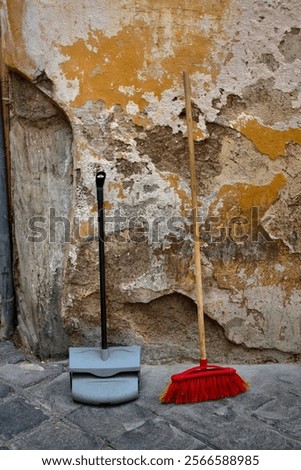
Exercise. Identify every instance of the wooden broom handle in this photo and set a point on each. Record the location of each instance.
(196, 233)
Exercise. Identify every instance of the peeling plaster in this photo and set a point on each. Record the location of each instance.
(269, 141)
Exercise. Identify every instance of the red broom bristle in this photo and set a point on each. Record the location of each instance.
(203, 384)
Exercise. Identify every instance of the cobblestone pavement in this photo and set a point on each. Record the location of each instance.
(37, 411)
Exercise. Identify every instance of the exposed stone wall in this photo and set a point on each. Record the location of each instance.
(115, 68)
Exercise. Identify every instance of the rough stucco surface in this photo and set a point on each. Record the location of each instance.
(115, 70)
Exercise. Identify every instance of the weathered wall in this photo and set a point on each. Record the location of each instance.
(115, 69)
(40, 141)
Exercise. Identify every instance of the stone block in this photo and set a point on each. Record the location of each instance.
(18, 416)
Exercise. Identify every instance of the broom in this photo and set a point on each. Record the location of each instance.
(206, 381)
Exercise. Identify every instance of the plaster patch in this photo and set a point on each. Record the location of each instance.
(132, 108)
(268, 140)
(241, 197)
(136, 59)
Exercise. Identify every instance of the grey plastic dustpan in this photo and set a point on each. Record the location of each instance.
(106, 375)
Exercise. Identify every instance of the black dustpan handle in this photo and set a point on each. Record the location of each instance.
(100, 180)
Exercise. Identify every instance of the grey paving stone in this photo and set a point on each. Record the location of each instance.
(283, 414)
(154, 380)
(224, 428)
(58, 436)
(274, 398)
(26, 373)
(3, 445)
(111, 421)
(37, 411)
(157, 434)
(17, 416)
(5, 390)
(9, 354)
(6, 346)
(55, 395)
(249, 435)
(272, 379)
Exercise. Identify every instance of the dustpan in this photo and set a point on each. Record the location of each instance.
(104, 375)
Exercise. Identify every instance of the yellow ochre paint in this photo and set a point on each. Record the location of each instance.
(240, 197)
(119, 186)
(85, 229)
(174, 183)
(105, 67)
(147, 55)
(106, 204)
(267, 140)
